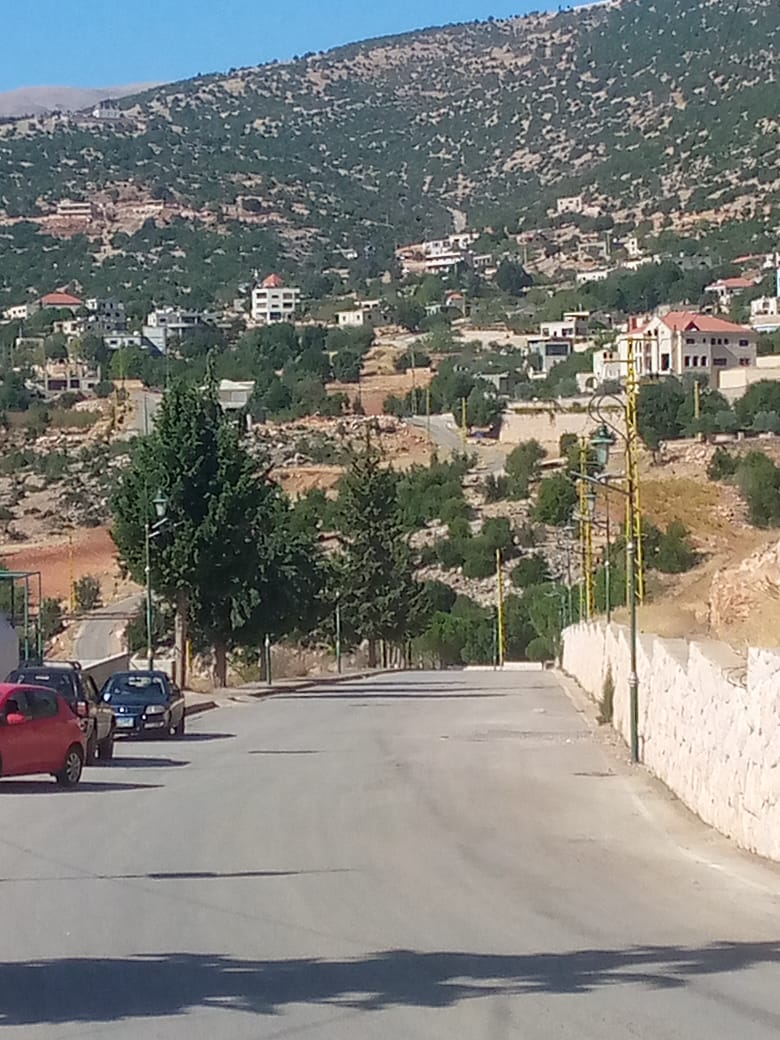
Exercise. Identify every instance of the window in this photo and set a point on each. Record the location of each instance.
(666, 362)
(744, 343)
(687, 361)
(17, 704)
(720, 362)
(695, 361)
(43, 704)
(703, 361)
(744, 362)
(712, 341)
(690, 340)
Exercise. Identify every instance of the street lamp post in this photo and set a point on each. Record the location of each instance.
(150, 530)
(601, 442)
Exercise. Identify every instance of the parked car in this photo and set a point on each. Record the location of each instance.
(39, 734)
(81, 693)
(145, 704)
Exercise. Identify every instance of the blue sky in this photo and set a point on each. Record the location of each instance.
(110, 42)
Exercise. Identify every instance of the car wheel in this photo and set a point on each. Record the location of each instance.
(70, 774)
(181, 728)
(105, 749)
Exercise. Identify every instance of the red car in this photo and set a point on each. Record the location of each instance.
(39, 734)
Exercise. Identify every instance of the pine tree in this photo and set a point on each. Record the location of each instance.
(381, 600)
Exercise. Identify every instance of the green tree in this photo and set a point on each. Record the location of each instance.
(658, 410)
(512, 278)
(522, 466)
(381, 600)
(760, 397)
(86, 592)
(556, 500)
(531, 570)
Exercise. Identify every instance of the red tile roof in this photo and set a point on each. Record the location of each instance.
(734, 283)
(60, 299)
(687, 321)
(273, 281)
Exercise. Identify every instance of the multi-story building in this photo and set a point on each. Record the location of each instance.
(108, 313)
(274, 302)
(75, 210)
(676, 344)
(574, 325)
(765, 313)
(551, 351)
(364, 313)
(726, 290)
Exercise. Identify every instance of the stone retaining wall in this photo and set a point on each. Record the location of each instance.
(709, 725)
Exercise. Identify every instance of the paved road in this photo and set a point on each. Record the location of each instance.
(447, 436)
(446, 857)
(100, 636)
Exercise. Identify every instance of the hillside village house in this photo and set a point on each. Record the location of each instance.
(678, 343)
(438, 256)
(726, 290)
(365, 313)
(765, 313)
(273, 301)
(60, 299)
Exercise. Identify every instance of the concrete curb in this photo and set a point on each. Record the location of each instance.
(324, 680)
(198, 709)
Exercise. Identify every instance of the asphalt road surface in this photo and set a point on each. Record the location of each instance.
(100, 635)
(430, 857)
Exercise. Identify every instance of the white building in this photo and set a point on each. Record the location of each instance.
(765, 313)
(176, 320)
(234, 396)
(598, 274)
(273, 301)
(574, 325)
(551, 351)
(678, 343)
(364, 313)
(20, 311)
(726, 289)
(570, 204)
(633, 247)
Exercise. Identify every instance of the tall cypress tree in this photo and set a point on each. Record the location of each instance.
(380, 598)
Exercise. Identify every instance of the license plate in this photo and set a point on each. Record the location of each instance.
(125, 722)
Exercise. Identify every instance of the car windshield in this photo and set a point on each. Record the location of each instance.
(147, 688)
(62, 682)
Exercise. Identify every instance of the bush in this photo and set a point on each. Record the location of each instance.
(454, 509)
(522, 465)
(722, 465)
(480, 561)
(104, 388)
(556, 501)
(497, 489)
(50, 618)
(87, 593)
(766, 422)
(674, 554)
(539, 649)
(497, 534)
(759, 481)
(450, 553)
(532, 570)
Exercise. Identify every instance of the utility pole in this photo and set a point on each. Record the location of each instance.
(463, 426)
(500, 640)
(338, 636)
(696, 400)
(268, 673)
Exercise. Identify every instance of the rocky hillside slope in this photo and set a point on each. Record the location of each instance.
(653, 110)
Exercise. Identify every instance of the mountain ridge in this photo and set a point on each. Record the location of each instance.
(664, 114)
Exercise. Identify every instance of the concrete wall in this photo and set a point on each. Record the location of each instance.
(546, 424)
(709, 726)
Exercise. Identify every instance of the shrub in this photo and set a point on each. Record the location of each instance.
(104, 388)
(450, 553)
(532, 570)
(480, 561)
(50, 618)
(556, 501)
(759, 481)
(675, 554)
(522, 464)
(497, 534)
(497, 489)
(539, 649)
(87, 593)
(454, 509)
(722, 465)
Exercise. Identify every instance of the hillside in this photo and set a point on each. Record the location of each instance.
(26, 101)
(663, 111)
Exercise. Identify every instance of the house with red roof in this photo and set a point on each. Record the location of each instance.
(60, 299)
(274, 302)
(676, 344)
(726, 290)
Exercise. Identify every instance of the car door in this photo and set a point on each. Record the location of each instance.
(16, 742)
(47, 731)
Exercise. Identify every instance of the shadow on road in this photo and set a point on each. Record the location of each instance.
(173, 875)
(157, 986)
(146, 763)
(49, 787)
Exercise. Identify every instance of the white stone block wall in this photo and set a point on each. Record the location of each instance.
(707, 728)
